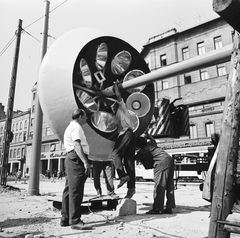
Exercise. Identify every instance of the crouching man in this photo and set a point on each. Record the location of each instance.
(152, 156)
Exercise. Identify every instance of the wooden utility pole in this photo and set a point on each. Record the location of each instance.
(8, 123)
(227, 155)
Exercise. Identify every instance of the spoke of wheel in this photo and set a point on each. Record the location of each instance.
(87, 90)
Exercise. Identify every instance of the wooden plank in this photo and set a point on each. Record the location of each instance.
(86, 199)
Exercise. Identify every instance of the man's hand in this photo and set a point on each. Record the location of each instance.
(87, 168)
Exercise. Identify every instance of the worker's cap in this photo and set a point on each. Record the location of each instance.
(77, 112)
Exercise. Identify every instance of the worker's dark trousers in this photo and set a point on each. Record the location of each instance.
(74, 187)
(106, 167)
(124, 149)
(163, 183)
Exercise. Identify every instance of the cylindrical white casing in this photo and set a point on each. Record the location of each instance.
(55, 86)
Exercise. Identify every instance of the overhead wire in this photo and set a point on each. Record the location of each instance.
(8, 45)
(23, 29)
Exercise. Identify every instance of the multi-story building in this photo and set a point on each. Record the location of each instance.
(17, 151)
(203, 90)
(52, 150)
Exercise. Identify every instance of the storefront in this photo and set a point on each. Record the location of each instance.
(52, 161)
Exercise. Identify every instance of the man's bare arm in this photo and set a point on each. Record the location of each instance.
(81, 155)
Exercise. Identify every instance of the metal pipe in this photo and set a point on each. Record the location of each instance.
(206, 60)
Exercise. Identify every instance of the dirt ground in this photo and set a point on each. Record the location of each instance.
(22, 215)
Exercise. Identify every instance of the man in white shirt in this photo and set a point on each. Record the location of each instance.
(77, 169)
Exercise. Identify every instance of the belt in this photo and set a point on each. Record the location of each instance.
(70, 151)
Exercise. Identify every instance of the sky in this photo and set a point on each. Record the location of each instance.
(134, 21)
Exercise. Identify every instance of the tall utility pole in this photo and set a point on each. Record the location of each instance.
(227, 155)
(37, 130)
(8, 123)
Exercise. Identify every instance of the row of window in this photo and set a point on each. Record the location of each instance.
(200, 49)
(16, 126)
(52, 147)
(16, 153)
(221, 69)
(18, 137)
(209, 129)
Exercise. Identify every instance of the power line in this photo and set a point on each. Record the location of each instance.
(58, 6)
(7, 46)
(14, 37)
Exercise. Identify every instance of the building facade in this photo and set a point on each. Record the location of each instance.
(17, 151)
(202, 91)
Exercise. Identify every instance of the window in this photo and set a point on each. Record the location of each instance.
(209, 128)
(33, 108)
(20, 137)
(34, 96)
(23, 152)
(203, 74)
(221, 70)
(25, 124)
(1, 130)
(45, 148)
(58, 147)
(1, 140)
(201, 48)
(163, 60)
(30, 135)
(32, 121)
(14, 153)
(48, 131)
(16, 126)
(217, 42)
(18, 152)
(185, 53)
(11, 153)
(13, 127)
(52, 147)
(165, 84)
(20, 126)
(24, 136)
(16, 137)
(187, 79)
(193, 131)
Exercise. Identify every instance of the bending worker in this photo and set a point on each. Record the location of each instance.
(152, 156)
(124, 147)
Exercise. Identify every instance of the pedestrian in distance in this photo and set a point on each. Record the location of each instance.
(18, 176)
(123, 151)
(153, 157)
(77, 170)
(105, 166)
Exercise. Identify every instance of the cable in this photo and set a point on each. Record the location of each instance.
(58, 6)
(31, 35)
(8, 44)
(14, 37)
